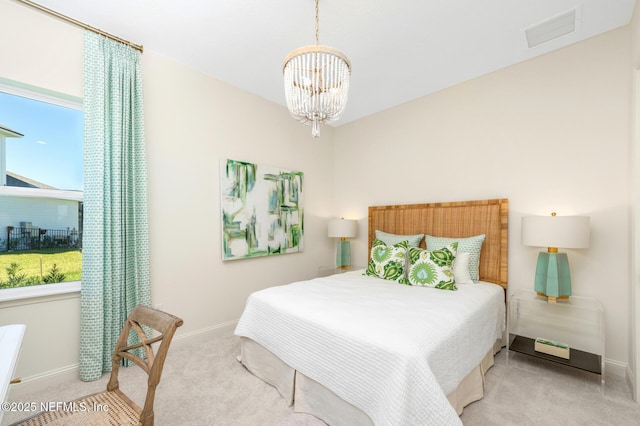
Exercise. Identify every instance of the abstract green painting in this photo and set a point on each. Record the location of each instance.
(262, 210)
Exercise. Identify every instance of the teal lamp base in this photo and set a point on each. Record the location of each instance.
(343, 256)
(553, 278)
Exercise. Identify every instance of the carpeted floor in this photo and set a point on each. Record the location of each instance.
(529, 391)
(203, 384)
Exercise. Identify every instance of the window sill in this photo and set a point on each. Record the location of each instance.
(43, 290)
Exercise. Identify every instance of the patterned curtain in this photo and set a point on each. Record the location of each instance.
(115, 255)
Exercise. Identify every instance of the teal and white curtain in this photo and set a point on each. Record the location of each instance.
(115, 257)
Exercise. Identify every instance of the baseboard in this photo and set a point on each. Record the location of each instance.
(39, 382)
(218, 330)
(42, 381)
(614, 367)
(631, 382)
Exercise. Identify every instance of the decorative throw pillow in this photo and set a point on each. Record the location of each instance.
(432, 268)
(471, 245)
(461, 268)
(387, 261)
(391, 239)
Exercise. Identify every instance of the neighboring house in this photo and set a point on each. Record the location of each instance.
(5, 133)
(14, 179)
(33, 210)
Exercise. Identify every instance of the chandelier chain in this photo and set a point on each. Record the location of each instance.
(317, 1)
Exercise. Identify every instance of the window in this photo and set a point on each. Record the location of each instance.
(40, 188)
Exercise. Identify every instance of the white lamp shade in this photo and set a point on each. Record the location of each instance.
(556, 231)
(343, 228)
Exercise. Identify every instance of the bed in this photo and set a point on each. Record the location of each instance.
(354, 349)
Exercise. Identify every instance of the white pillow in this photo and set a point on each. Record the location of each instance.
(461, 269)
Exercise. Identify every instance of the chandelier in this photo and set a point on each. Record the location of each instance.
(316, 83)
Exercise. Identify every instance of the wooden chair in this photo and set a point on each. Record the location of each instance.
(113, 407)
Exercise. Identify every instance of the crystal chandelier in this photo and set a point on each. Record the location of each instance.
(316, 83)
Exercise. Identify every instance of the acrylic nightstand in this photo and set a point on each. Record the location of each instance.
(578, 322)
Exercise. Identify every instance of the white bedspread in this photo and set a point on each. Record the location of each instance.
(393, 351)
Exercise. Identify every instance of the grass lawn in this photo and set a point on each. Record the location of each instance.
(68, 262)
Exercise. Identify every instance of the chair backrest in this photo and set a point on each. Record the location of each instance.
(151, 362)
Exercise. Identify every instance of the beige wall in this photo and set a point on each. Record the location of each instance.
(634, 130)
(40, 51)
(550, 134)
(192, 122)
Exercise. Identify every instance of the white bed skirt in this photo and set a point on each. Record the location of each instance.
(308, 396)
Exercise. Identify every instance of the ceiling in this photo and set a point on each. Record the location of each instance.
(400, 50)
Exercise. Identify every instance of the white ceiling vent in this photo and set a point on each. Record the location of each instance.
(553, 28)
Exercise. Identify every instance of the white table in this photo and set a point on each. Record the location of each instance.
(10, 343)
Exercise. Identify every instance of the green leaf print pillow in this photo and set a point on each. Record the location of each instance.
(387, 261)
(432, 268)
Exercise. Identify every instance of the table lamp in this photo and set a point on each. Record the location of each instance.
(553, 278)
(343, 229)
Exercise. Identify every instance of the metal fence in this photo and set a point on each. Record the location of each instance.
(33, 238)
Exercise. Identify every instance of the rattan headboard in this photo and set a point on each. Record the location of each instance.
(454, 219)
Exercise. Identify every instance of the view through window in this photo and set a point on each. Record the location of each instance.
(40, 189)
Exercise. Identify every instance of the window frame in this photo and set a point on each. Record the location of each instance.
(60, 99)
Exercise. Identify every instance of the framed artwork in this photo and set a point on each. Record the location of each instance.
(262, 210)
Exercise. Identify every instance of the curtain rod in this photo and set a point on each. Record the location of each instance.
(81, 24)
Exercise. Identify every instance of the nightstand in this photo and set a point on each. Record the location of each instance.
(577, 322)
(325, 271)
